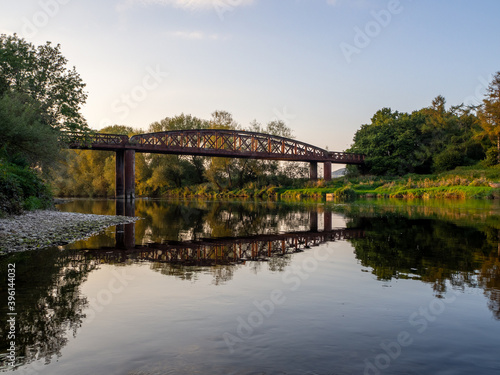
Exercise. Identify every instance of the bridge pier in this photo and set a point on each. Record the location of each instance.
(327, 170)
(313, 221)
(120, 175)
(125, 174)
(130, 174)
(327, 227)
(313, 170)
(125, 233)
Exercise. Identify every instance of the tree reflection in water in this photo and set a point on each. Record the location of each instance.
(48, 301)
(433, 244)
(436, 246)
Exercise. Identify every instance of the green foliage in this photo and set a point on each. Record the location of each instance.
(21, 188)
(84, 173)
(491, 157)
(431, 139)
(345, 193)
(41, 74)
(39, 98)
(448, 159)
(24, 136)
(489, 112)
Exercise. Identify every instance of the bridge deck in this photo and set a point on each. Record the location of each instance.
(213, 142)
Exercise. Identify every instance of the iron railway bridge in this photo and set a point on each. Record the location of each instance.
(205, 142)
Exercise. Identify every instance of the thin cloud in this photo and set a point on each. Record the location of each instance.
(192, 4)
(355, 3)
(193, 35)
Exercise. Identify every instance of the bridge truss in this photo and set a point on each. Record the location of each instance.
(205, 142)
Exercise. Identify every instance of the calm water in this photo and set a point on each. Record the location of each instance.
(206, 287)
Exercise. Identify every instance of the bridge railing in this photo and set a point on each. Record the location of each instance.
(229, 143)
(91, 139)
(211, 142)
(346, 157)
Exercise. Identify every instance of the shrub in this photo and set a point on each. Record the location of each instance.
(21, 188)
(491, 157)
(448, 160)
(345, 192)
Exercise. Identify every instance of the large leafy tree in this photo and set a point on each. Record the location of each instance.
(390, 142)
(432, 139)
(25, 139)
(92, 173)
(39, 97)
(489, 113)
(173, 171)
(41, 73)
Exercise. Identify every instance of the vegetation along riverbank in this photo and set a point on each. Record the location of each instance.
(463, 182)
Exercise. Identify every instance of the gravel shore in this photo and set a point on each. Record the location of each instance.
(39, 229)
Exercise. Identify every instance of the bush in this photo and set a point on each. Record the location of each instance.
(21, 188)
(491, 157)
(448, 159)
(345, 192)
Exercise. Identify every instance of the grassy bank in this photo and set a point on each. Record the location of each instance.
(21, 189)
(464, 182)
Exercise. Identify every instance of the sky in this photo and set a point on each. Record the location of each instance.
(324, 67)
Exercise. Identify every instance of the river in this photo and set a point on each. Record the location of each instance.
(260, 287)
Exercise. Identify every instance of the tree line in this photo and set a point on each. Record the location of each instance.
(433, 139)
(91, 173)
(39, 98)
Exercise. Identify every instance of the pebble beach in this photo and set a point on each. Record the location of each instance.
(45, 228)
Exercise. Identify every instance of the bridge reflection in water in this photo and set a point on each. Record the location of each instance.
(221, 250)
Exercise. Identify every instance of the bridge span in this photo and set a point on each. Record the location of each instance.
(205, 142)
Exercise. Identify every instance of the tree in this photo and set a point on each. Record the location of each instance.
(174, 171)
(39, 97)
(25, 139)
(489, 113)
(390, 143)
(432, 139)
(222, 172)
(41, 73)
(92, 173)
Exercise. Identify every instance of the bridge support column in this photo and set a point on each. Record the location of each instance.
(327, 170)
(130, 174)
(327, 221)
(313, 221)
(313, 170)
(120, 175)
(125, 233)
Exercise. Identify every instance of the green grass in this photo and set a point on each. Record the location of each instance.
(460, 183)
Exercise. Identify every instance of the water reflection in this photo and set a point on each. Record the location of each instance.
(48, 301)
(436, 245)
(409, 242)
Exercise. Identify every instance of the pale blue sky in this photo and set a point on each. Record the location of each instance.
(323, 66)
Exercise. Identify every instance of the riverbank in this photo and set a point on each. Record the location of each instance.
(475, 182)
(44, 228)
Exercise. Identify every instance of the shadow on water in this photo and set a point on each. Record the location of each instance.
(436, 245)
